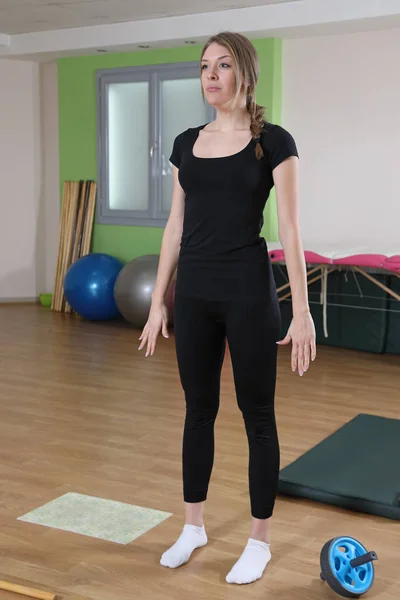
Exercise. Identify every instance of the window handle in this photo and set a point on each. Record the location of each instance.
(152, 149)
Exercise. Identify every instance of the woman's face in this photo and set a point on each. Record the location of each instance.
(218, 75)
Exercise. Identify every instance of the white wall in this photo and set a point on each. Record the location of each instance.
(29, 198)
(341, 101)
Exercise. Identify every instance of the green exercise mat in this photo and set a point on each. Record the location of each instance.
(357, 467)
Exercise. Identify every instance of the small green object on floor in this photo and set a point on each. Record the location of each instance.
(46, 299)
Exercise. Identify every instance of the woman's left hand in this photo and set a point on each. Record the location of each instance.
(302, 334)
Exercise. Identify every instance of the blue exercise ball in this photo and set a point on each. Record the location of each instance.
(89, 286)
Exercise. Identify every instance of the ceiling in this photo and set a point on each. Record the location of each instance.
(44, 30)
(28, 16)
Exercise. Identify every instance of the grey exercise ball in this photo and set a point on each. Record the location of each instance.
(134, 287)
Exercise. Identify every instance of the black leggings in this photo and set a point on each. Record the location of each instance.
(251, 329)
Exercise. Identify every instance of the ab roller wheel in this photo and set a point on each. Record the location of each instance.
(347, 566)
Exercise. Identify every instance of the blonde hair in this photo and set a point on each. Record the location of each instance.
(247, 69)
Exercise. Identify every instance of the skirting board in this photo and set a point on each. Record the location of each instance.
(4, 40)
(31, 300)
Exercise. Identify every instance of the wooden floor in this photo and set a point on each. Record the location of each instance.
(82, 410)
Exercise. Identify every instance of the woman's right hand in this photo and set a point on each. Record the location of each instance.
(156, 322)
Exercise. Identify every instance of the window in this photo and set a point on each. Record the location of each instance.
(140, 110)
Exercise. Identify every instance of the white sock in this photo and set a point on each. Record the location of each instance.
(251, 563)
(192, 537)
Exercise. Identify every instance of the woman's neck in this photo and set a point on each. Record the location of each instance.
(232, 120)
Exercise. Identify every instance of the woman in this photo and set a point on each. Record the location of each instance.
(225, 290)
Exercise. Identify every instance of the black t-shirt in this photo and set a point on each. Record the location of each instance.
(222, 255)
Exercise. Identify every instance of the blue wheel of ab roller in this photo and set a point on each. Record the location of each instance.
(347, 567)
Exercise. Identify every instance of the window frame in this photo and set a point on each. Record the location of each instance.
(154, 75)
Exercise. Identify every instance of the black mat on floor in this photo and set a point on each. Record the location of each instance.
(357, 467)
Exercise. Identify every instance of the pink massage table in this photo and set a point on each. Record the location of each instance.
(326, 259)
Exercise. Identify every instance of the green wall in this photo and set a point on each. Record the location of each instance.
(77, 131)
